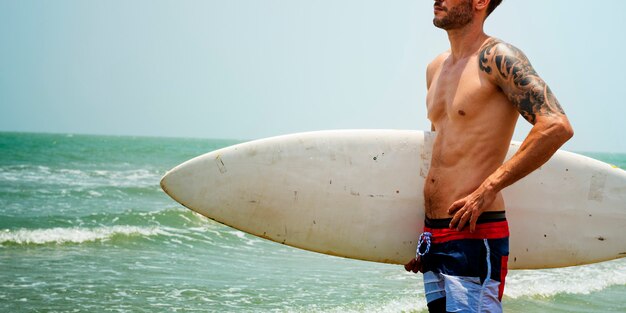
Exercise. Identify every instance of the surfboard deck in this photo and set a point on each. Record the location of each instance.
(358, 194)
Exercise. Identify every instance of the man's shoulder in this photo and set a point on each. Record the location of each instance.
(438, 60)
(497, 50)
(434, 65)
(497, 42)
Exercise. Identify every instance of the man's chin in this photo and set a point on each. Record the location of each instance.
(446, 24)
(438, 23)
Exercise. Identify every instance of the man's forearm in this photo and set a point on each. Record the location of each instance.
(544, 139)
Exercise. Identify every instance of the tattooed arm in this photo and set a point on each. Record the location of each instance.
(508, 68)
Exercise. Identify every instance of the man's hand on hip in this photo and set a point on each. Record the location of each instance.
(470, 208)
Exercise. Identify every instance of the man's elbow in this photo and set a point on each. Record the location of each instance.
(563, 129)
(557, 129)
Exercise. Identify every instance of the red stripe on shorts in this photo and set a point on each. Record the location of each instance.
(504, 268)
(489, 230)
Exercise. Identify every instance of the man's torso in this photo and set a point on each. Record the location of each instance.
(474, 122)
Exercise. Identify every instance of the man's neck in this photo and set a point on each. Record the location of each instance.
(466, 41)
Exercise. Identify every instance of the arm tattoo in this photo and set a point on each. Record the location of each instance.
(518, 80)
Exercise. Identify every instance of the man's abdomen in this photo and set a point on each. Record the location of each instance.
(445, 186)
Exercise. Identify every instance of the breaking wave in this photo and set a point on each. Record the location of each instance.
(60, 235)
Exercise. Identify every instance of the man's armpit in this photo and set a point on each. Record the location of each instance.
(514, 74)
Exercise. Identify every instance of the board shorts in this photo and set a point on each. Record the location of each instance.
(466, 271)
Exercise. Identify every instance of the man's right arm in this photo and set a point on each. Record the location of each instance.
(432, 68)
(415, 264)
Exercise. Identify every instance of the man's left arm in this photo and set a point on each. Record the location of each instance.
(510, 69)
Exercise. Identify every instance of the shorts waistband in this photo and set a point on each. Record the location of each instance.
(490, 225)
(486, 217)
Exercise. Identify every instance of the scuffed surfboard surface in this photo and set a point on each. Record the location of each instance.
(358, 194)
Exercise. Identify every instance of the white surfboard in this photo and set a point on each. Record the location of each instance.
(358, 194)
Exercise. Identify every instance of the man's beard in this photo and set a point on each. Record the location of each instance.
(457, 17)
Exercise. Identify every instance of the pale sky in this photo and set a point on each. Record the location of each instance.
(247, 69)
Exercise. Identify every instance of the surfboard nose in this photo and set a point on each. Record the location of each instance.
(165, 183)
(187, 182)
(172, 182)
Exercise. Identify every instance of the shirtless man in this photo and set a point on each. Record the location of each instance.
(476, 91)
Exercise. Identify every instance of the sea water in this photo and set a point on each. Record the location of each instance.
(84, 227)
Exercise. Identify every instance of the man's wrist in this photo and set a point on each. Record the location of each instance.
(490, 186)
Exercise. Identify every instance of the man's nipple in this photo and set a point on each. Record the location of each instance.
(461, 113)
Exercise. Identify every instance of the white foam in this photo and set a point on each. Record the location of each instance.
(68, 171)
(247, 239)
(239, 234)
(405, 304)
(61, 235)
(572, 280)
(81, 178)
(44, 169)
(94, 193)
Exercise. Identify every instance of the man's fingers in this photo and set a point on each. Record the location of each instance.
(466, 217)
(456, 206)
(414, 266)
(456, 218)
(417, 266)
(409, 266)
(453, 221)
(473, 221)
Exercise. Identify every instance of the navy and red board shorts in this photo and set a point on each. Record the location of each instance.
(465, 270)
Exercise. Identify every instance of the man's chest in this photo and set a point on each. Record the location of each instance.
(457, 91)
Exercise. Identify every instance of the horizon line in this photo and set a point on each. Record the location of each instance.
(240, 140)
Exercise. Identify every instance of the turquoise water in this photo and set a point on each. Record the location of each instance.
(84, 226)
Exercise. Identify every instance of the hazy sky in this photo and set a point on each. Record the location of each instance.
(246, 69)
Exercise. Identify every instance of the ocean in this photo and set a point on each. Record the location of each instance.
(85, 227)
